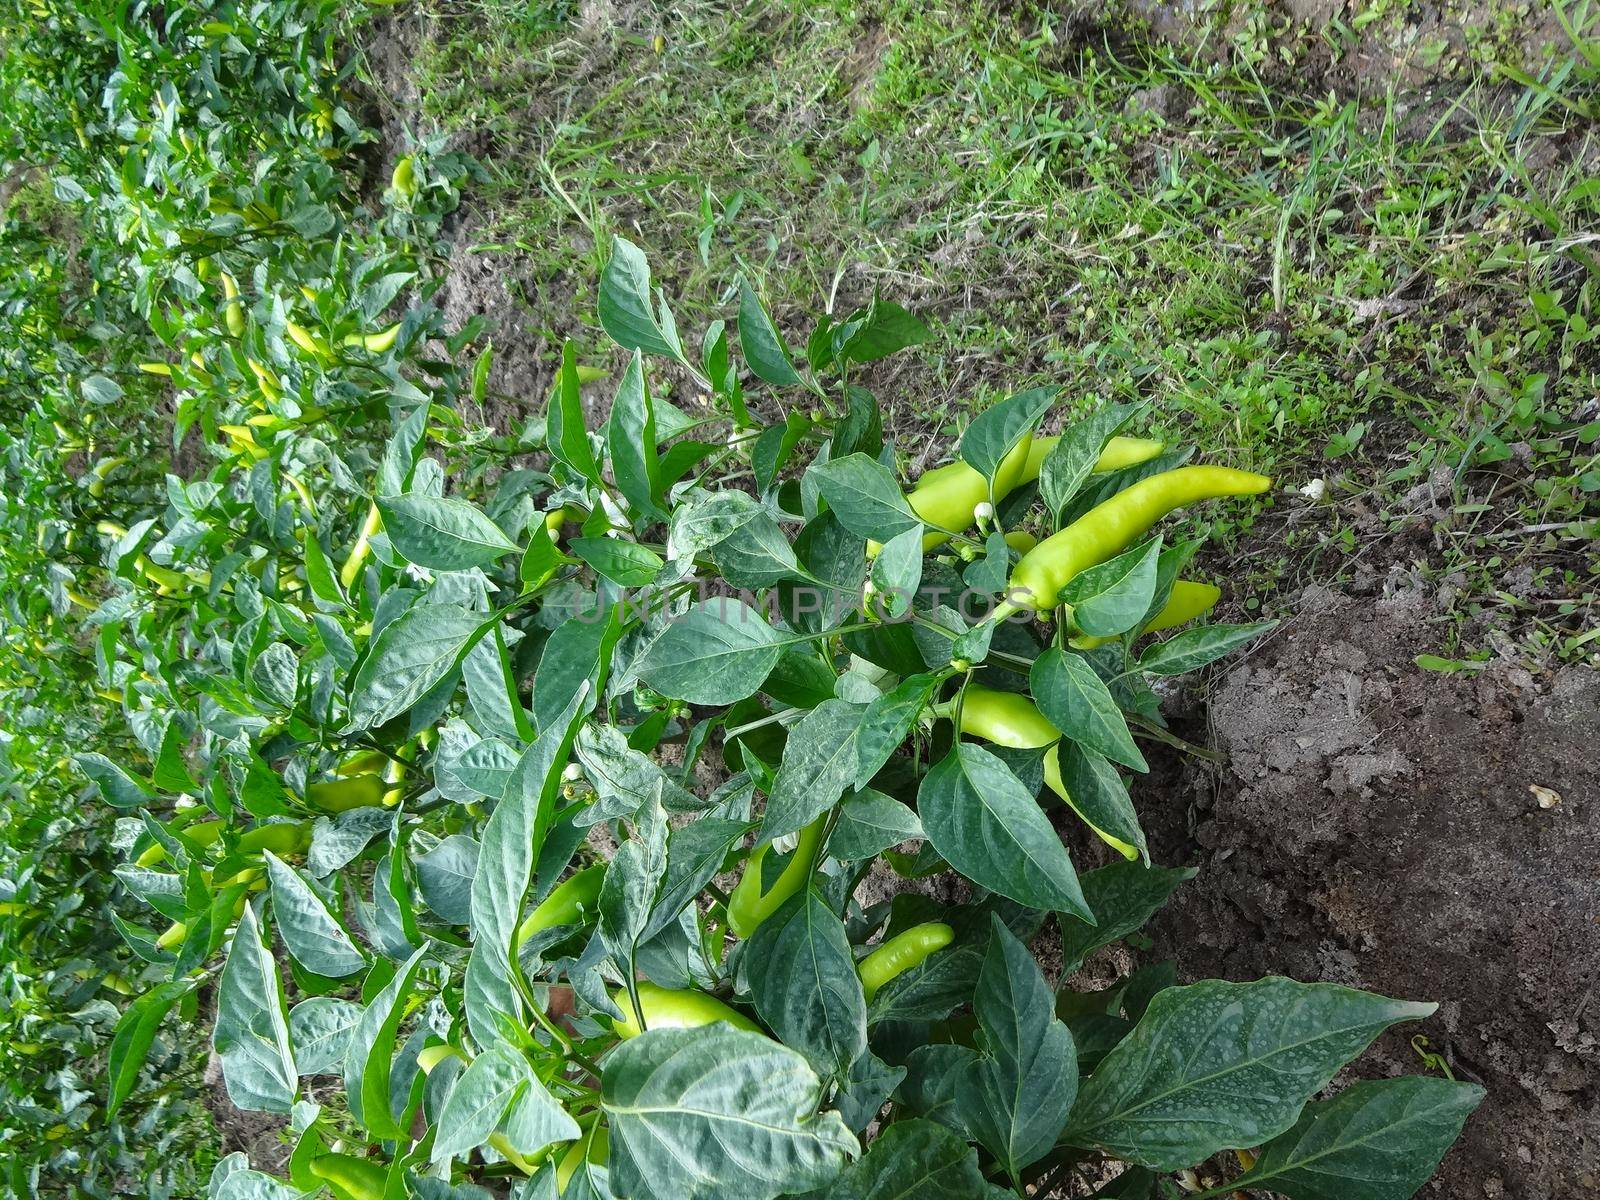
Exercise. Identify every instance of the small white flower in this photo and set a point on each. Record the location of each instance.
(786, 843)
(572, 773)
(983, 511)
(420, 574)
(1315, 490)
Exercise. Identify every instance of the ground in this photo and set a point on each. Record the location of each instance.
(1350, 244)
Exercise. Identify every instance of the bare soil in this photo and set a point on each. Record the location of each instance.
(1422, 835)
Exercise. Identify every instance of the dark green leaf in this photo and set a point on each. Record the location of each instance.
(1097, 794)
(442, 534)
(412, 654)
(1123, 897)
(761, 342)
(819, 765)
(564, 425)
(1076, 701)
(1073, 457)
(916, 1160)
(1113, 597)
(626, 564)
(631, 442)
(870, 823)
(987, 825)
(1023, 1085)
(996, 431)
(1196, 647)
(804, 983)
(863, 495)
(1216, 1064)
(1378, 1140)
(719, 1114)
(716, 653)
(625, 304)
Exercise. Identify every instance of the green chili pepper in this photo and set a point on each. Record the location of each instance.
(1187, 601)
(351, 1178)
(900, 953)
(947, 496)
(748, 906)
(567, 904)
(673, 1008)
(594, 1146)
(341, 795)
(1012, 720)
(1112, 525)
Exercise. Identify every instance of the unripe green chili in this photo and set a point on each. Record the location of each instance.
(947, 496)
(1012, 720)
(1113, 525)
(281, 837)
(349, 1177)
(341, 795)
(673, 1008)
(567, 904)
(1187, 601)
(900, 953)
(594, 1146)
(748, 906)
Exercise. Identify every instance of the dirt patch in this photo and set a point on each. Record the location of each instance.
(1376, 825)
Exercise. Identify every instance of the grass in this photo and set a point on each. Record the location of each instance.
(1385, 294)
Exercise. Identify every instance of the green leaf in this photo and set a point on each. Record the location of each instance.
(761, 342)
(897, 572)
(864, 497)
(1378, 1140)
(492, 688)
(312, 934)
(319, 1030)
(819, 765)
(632, 882)
(1098, 795)
(565, 431)
(1196, 647)
(118, 788)
(756, 554)
(252, 1031)
(512, 839)
(718, 1114)
(625, 304)
(986, 824)
(626, 564)
(865, 1090)
(1073, 457)
(870, 823)
(577, 657)
(135, 1032)
(883, 329)
(804, 983)
(412, 655)
(774, 448)
(1216, 1065)
(1123, 896)
(916, 1160)
(1076, 701)
(1023, 1085)
(631, 442)
(1113, 597)
(493, 1082)
(444, 876)
(996, 431)
(887, 721)
(442, 534)
(370, 1056)
(716, 653)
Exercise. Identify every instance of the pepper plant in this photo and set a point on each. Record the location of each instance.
(530, 804)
